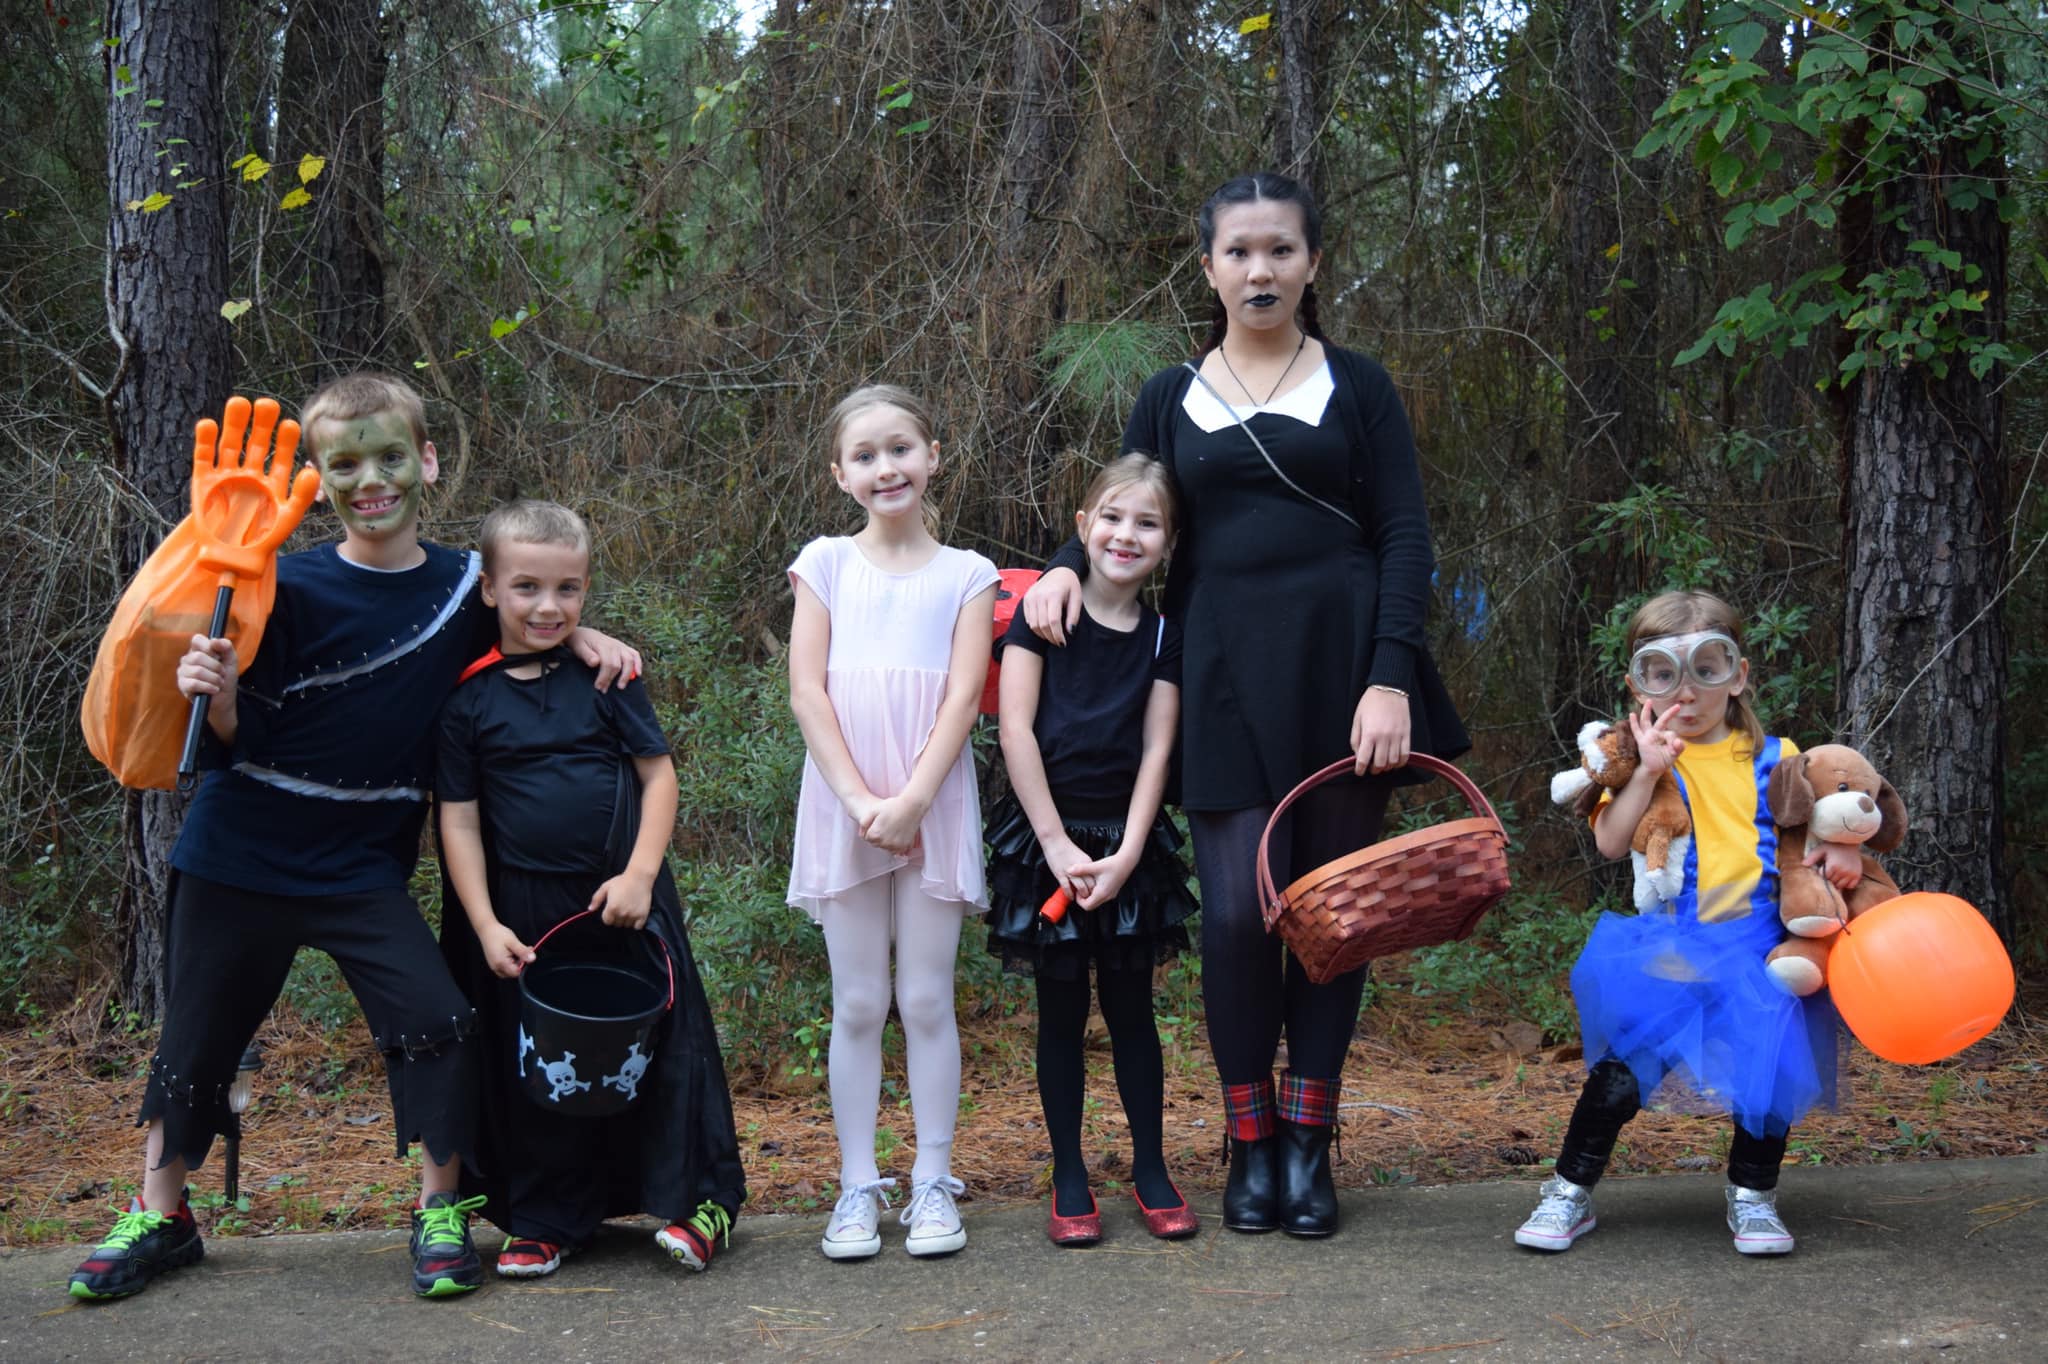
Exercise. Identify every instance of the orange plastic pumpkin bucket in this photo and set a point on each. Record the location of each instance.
(1919, 978)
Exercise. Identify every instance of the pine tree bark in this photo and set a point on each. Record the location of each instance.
(167, 270)
(1924, 544)
(1600, 452)
(1298, 111)
(1030, 298)
(332, 105)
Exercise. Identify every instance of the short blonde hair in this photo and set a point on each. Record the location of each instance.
(361, 394)
(531, 522)
(1680, 613)
(1137, 469)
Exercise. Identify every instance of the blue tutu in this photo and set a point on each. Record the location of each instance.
(1670, 996)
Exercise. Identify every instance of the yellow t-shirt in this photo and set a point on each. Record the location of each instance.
(1722, 791)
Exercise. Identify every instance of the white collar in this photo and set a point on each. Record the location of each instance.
(1305, 402)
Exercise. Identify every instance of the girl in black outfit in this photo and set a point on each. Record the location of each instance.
(1088, 732)
(1300, 578)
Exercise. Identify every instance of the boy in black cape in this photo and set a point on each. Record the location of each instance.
(557, 801)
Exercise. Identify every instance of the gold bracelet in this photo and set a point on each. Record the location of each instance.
(1391, 691)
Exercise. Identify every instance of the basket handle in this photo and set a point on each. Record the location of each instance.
(667, 961)
(1270, 903)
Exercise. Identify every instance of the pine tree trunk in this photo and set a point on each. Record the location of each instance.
(166, 280)
(1298, 109)
(1925, 550)
(1029, 298)
(1600, 458)
(332, 106)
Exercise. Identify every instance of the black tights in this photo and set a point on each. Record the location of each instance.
(1611, 1097)
(1126, 1002)
(1248, 994)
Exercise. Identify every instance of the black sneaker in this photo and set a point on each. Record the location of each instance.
(142, 1245)
(444, 1259)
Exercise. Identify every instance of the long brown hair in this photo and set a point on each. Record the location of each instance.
(1680, 613)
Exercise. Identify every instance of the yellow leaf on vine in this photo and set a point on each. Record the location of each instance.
(154, 202)
(253, 167)
(1258, 23)
(310, 167)
(235, 307)
(298, 198)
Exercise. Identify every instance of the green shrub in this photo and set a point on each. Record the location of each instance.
(1521, 957)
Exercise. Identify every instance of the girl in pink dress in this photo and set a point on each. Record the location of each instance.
(887, 654)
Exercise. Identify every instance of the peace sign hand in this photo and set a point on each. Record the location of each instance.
(245, 499)
(1656, 746)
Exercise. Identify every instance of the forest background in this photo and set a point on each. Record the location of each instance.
(1738, 296)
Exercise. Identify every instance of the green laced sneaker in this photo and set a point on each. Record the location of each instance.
(444, 1259)
(694, 1242)
(142, 1245)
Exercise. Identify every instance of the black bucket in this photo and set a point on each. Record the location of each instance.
(586, 1021)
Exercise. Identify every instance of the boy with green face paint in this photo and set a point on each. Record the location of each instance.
(306, 830)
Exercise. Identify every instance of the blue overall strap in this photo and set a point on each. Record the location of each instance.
(1687, 906)
(1764, 899)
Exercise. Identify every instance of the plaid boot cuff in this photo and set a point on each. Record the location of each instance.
(1248, 1112)
(1308, 1102)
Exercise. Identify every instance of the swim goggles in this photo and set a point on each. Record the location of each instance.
(1707, 658)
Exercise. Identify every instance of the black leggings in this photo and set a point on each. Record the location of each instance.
(1249, 993)
(1611, 1097)
(229, 953)
(1126, 1001)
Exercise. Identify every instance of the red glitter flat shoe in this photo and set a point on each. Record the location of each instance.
(1084, 1230)
(1168, 1224)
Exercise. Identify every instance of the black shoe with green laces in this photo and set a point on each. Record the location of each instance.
(444, 1259)
(142, 1245)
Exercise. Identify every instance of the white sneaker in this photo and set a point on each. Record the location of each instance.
(1562, 1217)
(933, 1220)
(1753, 1217)
(854, 1233)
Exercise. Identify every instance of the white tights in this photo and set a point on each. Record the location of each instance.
(860, 925)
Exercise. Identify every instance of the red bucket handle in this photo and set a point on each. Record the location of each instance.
(1269, 897)
(666, 960)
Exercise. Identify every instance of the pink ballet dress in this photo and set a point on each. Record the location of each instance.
(892, 645)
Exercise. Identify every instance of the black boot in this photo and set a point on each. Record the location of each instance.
(1308, 1195)
(1251, 1198)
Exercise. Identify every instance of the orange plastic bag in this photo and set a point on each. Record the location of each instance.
(133, 715)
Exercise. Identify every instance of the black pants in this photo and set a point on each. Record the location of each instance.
(1252, 991)
(1611, 1097)
(229, 953)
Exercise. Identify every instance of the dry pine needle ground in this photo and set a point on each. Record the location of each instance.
(1429, 1098)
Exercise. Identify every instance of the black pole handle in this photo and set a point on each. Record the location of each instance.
(188, 764)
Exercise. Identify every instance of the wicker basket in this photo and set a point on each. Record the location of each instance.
(1430, 886)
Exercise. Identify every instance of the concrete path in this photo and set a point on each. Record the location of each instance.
(1945, 1260)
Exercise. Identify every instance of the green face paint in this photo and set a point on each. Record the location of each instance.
(373, 473)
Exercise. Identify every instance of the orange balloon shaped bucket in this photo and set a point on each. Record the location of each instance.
(1919, 978)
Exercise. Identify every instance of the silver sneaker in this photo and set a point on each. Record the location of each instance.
(854, 1233)
(1562, 1217)
(933, 1220)
(1753, 1217)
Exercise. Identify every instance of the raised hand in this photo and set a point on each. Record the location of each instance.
(1658, 746)
(245, 498)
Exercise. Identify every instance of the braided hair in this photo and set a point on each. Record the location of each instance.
(1269, 186)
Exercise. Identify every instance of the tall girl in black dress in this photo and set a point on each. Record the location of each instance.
(1088, 732)
(1300, 578)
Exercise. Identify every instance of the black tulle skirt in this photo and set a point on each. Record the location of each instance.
(1142, 927)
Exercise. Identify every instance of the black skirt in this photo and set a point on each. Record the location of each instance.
(1136, 931)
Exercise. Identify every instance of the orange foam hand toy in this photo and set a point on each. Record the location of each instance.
(245, 502)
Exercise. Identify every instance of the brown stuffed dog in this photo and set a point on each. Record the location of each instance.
(1828, 794)
(1657, 849)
